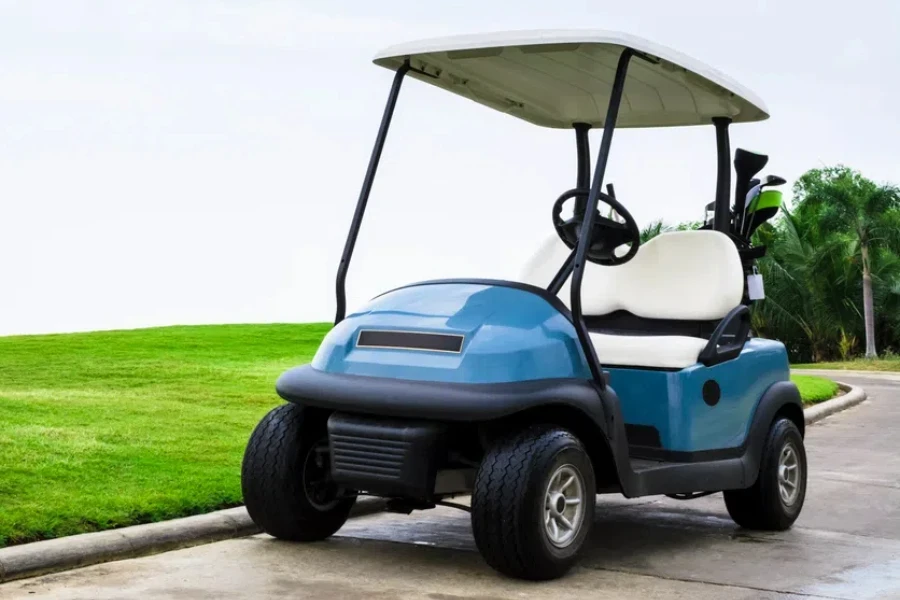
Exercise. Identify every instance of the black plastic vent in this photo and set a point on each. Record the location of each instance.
(354, 455)
(387, 457)
(410, 340)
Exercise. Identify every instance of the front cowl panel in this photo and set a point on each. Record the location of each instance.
(508, 334)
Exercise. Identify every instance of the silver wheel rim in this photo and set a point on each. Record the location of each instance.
(564, 506)
(789, 474)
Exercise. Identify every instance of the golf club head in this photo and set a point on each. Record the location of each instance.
(747, 164)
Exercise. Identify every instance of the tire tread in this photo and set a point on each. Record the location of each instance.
(272, 482)
(499, 523)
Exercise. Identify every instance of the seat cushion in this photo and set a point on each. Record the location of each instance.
(679, 275)
(656, 351)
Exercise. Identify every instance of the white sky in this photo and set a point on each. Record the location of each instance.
(198, 161)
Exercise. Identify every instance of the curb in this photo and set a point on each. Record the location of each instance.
(853, 396)
(62, 554)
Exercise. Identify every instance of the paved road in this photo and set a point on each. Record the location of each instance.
(845, 545)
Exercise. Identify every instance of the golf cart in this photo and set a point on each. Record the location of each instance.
(611, 366)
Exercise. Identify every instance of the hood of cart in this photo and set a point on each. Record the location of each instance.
(462, 332)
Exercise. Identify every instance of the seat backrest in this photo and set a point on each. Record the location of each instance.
(680, 275)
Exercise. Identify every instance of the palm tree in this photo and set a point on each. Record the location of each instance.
(802, 290)
(653, 229)
(841, 202)
(886, 277)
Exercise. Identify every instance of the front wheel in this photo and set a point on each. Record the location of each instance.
(775, 500)
(533, 504)
(286, 478)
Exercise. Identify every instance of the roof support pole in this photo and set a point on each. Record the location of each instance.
(582, 181)
(584, 239)
(340, 290)
(583, 150)
(722, 214)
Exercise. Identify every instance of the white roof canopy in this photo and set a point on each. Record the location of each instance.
(557, 78)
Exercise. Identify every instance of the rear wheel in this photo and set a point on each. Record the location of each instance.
(533, 504)
(775, 500)
(286, 478)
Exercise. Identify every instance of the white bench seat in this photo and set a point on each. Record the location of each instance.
(681, 276)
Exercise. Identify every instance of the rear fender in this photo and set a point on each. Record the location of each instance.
(781, 400)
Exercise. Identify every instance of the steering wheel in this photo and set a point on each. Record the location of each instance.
(607, 234)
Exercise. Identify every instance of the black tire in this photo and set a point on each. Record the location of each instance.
(761, 506)
(508, 503)
(280, 453)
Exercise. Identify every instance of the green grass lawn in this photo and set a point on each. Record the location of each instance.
(815, 389)
(859, 364)
(106, 429)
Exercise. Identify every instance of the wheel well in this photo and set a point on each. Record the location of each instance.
(579, 423)
(795, 414)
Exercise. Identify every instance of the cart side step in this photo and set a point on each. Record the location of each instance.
(652, 477)
(639, 465)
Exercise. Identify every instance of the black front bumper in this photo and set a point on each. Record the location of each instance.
(434, 400)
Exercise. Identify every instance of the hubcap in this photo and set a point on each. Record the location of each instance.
(321, 492)
(564, 506)
(789, 474)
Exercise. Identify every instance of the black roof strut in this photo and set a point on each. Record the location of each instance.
(340, 288)
(587, 226)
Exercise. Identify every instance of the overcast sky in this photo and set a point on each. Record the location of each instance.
(198, 161)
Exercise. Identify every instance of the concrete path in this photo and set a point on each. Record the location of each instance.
(845, 545)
